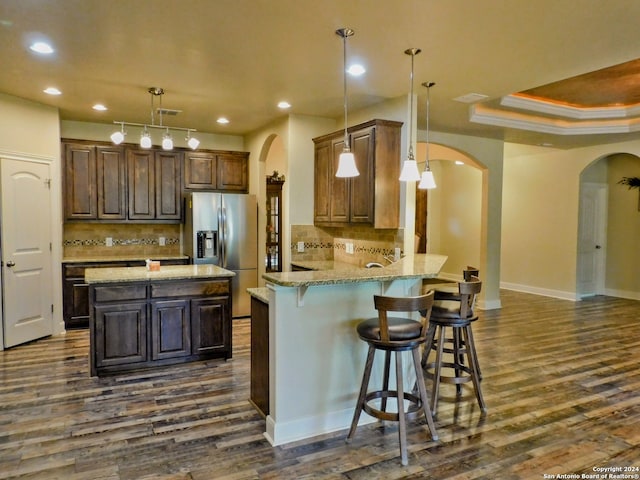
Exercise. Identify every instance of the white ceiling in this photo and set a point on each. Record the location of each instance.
(238, 58)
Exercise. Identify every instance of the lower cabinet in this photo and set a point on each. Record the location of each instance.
(259, 390)
(137, 325)
(75, 291)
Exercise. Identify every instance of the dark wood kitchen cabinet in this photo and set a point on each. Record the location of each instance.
(146, 324)
(217, 171)
(371, 198)
(94, 187)
(154, 185)
(75, 291)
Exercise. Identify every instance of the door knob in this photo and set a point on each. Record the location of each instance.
(598, 247)
(11, 264)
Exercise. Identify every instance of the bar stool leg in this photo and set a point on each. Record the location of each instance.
(366, 376)
(473, 362)
(475, 354)
(458, 356)
(423, 393)
(437, 369)
(385, 380)
(402, 419)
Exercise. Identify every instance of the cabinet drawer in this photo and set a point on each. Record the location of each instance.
(121, 292)
(187, 289)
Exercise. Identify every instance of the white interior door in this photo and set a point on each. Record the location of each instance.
(26, 251)
(592, 239)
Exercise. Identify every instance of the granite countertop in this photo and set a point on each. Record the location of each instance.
(122, 258)
(168, 272)
(261, 293)
(412, 266)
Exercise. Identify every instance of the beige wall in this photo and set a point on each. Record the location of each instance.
(623, 228)
(456, 209)
(540, 218)
(31, 131)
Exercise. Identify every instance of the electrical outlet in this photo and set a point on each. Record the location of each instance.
(108, 242)
(349, 246)
(161, 241)
(300, 246)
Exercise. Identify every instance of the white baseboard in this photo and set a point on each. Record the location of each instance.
(546, 292)
(622, 294)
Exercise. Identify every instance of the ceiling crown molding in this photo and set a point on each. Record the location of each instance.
(568, 111)
(480, 113)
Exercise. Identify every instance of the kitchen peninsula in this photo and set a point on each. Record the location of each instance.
(315, 357)
(141, 318)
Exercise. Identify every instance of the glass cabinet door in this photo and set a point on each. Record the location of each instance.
(273, 254)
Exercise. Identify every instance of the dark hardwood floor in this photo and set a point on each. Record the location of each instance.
(560, 378)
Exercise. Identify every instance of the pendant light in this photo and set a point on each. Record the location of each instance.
(346, 161)
(410, 172)
(426, 180)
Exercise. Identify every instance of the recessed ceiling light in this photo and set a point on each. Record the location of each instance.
(356, 70)
(222, 120)
(41, 47)
(284, 105)
(99, 107)
(52, 91)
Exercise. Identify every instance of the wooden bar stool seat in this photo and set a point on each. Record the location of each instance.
(454, 312)
(395, 334)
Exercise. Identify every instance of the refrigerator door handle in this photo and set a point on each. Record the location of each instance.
(223, 243)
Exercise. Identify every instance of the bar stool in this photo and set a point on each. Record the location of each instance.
(452, 288)
(454, 311)
(394, 334)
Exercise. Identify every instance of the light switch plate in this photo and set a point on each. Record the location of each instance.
(300, 246)
(108, 242)
(161, 241)
(349, 246)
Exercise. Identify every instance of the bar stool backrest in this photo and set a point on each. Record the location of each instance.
(468, 293)
(421, 304)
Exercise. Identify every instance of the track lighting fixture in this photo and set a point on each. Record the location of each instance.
(346, 161)
(145, 138)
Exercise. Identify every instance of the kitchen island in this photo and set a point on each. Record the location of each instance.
(315, 357)
(144, 319)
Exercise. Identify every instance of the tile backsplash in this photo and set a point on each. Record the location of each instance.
(90, 239)
(330, 243)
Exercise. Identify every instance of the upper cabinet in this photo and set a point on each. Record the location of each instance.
(223, 171)
(126, 183)
(371, 198)
(154, 185)
(94, 182)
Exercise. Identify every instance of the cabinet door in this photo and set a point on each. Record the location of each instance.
(141, 182)
(168, 185)
(120, 334)
(361, 198)
(75, 303)
(111, 183)
(200, 171)
(211, 325)
(170, 329)
(322, 182)
(339, 193)
(232, 172)
(80, 199)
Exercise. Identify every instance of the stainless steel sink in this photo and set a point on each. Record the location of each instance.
(373, 265)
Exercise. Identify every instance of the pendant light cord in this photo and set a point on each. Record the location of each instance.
(428, 85)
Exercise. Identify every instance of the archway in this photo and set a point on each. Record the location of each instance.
(608, 229)
(453, 216)
(272, 159)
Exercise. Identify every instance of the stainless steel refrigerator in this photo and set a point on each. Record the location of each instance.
(222, 229)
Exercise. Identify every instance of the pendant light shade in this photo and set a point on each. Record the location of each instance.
(410, 172)
(346, 161)
(427, 181)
